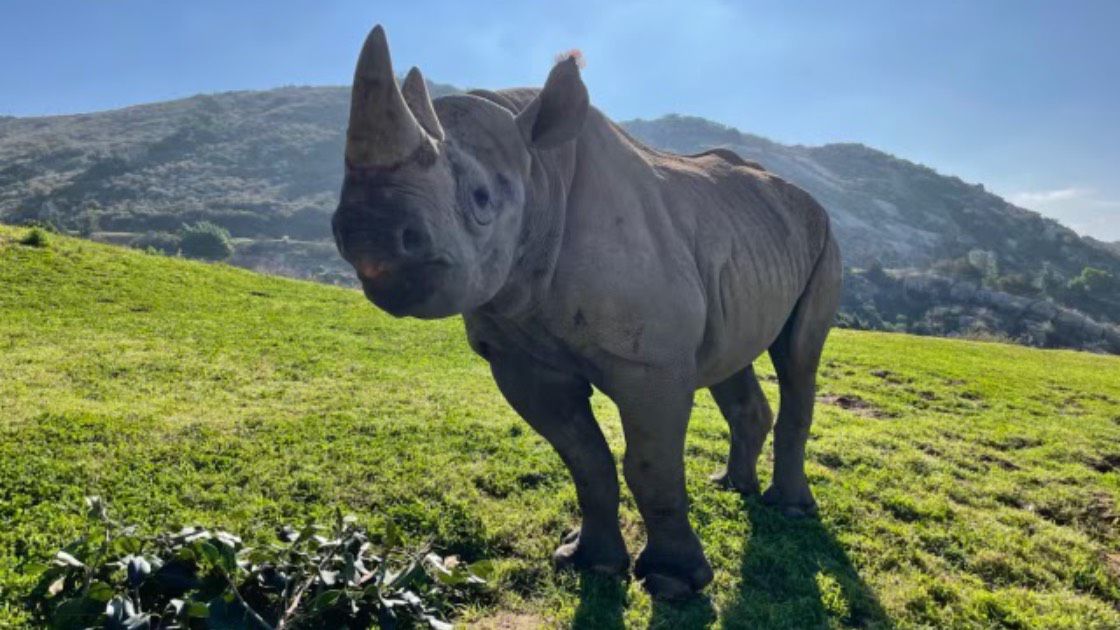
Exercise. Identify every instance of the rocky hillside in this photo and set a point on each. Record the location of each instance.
(893, 211)
(266, 166)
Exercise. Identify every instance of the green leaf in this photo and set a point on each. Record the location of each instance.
(350, 568)
(449, 578)
(206, 552)
(100, 592)
(258, 555)
(483, 569)
(35, 568)
(326, 599)
(76, 612)
(392, 535)
(228, 559)
(228, 615)
(441, 572)
(405, 578)
(197, 610)
(177, 577)
(126, 545)
(307, 532)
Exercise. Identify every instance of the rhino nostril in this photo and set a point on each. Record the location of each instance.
(411, 240)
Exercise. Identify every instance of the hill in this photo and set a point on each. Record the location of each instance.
(960, 483)
(890, 211)
(266, 165)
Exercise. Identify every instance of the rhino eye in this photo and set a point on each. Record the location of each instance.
(481, 196)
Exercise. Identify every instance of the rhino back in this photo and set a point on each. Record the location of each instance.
(668, 258)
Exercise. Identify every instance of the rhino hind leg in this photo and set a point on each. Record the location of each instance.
(796, 355)
(558, 407)
(741, 400)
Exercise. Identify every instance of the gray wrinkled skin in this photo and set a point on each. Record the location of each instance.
(580, 258)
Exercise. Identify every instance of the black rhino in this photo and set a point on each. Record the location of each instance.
(579, 257)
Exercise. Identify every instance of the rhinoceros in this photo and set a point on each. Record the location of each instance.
(578, 258)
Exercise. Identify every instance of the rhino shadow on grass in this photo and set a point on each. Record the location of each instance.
(793, 573)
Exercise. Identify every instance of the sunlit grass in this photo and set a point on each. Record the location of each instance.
(960, 484)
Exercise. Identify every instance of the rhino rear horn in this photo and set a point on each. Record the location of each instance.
(383, 130)
(415, 91)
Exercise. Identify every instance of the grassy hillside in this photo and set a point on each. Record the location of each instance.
(961, 484)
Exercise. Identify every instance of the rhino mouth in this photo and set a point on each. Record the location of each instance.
(404, 290)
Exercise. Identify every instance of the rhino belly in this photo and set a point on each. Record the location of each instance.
(745, 314)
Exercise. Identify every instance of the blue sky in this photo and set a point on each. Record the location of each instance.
(1019, 95)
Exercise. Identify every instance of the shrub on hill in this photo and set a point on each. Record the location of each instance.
(163, 242)
(205, 240)
(36, 237)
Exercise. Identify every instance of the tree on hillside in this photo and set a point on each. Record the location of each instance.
(987, 266)
(205, 240)
(877, 274)
(1016, 284)
(1094, 282)
(1049, 282)
(957, 268)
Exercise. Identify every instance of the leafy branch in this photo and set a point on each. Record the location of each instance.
(310, 577)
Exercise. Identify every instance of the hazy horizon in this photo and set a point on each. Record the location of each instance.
(1012, 95)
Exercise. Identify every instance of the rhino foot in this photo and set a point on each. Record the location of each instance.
(746, 485)
(798, 504)
(673, 578)
(577, 552)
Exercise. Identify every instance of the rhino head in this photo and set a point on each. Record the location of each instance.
(433, 202)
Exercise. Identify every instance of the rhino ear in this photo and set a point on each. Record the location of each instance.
(556, 115)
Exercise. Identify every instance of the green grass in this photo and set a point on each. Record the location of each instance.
(961, 484)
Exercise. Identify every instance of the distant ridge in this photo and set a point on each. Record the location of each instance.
(266, 165)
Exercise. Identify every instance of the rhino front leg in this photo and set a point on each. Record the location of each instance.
(744, 406)
(655, 408)
(557, 406)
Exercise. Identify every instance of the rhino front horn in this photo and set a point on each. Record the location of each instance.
(383, 131)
